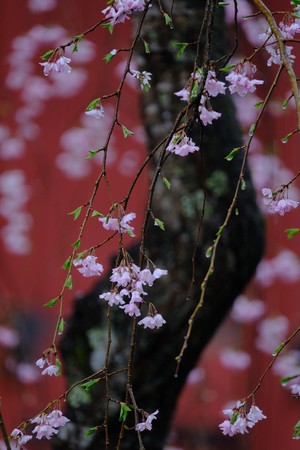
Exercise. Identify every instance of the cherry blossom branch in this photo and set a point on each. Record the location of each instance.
(283, 53)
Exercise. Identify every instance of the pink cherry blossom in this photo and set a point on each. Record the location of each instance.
(112, 298)
(208, 115)
(97, 113)
(56, 419)
(147, 425)
(51, 370)
(60, 65)
(255, 414)
(120, 10)
(213, 86)
(152, 321)
(241, 79)
(44, 430)
(119, 225)
(144, 78)
(181, 145)
(19, 437)
(131, 309)
(276, 203)
(90, 267)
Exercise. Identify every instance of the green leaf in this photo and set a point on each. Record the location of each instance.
(126, 132)
(252, 129)
(208, 252)
(76, 212)
(285, 103)
(220, 230)
(296, 434)
(168, 20)
(146, 46)
(67, 263)
(77, 38)
(278, 349)
(236, 211)
(232, 154)
(194, 90)
(109, 26)
(61, 326)
(90, 431)
(47, 55)
(76, 244)
(228, 68)
(291, 232)
(243, 185)
(259, 104)
(286, 138)
(51, 303)
(284, 380)
(124, 410)
(110, 55)
(131, 233)
(159, 223)
(80, 255)
(223, 4)
(181, 48)
(167, 182)
(68, 283)
(58, 365)
(88, 385)
(97, 214)
(234, 417)
(92, 153)
(94, 103)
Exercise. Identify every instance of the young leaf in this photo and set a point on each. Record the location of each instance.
(228, 68)
(285, 103)
(284, 380)
(286, 138)
(223, 4)
(92, 153)
(259, 104)
(167, 183)
(126, 132)
(97, 214)
(90, 431)
(208, 252)
(76, 244)
(236, 211)
(68, 282)
(243, 185)
(88, 385)
(131, 233)
(47, 55)
(291, 232)
(67, 263)
(61, 326)
(252, 129)
(110, 55)
(58, 365)
(94, 103)
(109, 26)
(232, 154)
(51, 303)
(181, 48)
(159, 223)
(146, 46)
(278, 349)
(124, 410)
(168, 20)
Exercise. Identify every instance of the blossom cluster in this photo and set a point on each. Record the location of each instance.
(144, 78)
(46, 426)
(129, 281)
(60, 65)
(90, 266)
(288, 29)
(50, 369)
(121, 225)
(182, 145)
(120, 10)
(241, 82)
(276, 203)
(239, 421)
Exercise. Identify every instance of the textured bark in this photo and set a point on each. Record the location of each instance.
(205, 175)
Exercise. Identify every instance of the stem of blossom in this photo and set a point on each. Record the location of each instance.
(136, 419)
(284, 344)
(3, 431)
(225, 223)
(284, 57)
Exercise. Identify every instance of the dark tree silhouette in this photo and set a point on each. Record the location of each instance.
(204, 181)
